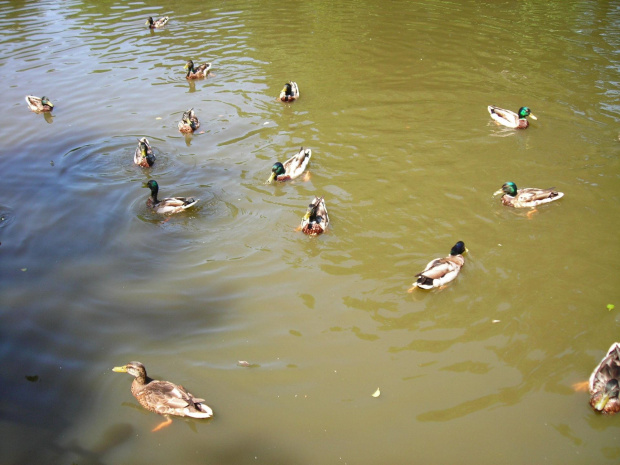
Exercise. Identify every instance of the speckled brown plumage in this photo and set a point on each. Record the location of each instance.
(163, 397)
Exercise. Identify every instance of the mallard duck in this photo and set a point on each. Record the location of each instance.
(163, 397)
(292, 168)
(604, 382)
(189, 122)
(39, 105)
(442, 270)
(144, 154)
(510, 118)
(316, 220)
(169, 205)
(196, 73)
(289, 92)
(161, 22)
(528, 197)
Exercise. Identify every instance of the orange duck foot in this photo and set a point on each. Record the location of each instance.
(162, 425)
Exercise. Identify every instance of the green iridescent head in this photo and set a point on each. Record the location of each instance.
(524, 112)
(509, 188)
(276, 170)
(46, 101)
(152, 184)
(458, 249)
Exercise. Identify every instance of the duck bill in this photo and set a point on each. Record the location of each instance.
(600, 405)
(307, 216)
(186, 66)
(50, 104)
(498, 192)
(532, 116)
(271, 178)
(122, 369)
(146, 23)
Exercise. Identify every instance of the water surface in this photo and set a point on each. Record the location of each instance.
(393, 106)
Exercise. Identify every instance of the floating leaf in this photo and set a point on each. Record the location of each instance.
(24, 269)
(159, 117)
(377, 393)
(496, 321)
(610, 307)
(243, 363)
(32, 379)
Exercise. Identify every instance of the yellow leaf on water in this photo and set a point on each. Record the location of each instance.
(377, 393)
(159, 117)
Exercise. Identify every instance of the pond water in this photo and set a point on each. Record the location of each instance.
(393, 105)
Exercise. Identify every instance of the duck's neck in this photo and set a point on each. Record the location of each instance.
(154, 198)
(142, 379)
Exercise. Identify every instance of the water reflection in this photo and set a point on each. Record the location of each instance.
(406, 155)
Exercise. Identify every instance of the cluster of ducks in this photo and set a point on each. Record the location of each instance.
(167, 398)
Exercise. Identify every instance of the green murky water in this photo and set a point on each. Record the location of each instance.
(393, 106)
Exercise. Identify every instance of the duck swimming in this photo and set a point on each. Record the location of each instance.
(528, 197)
(199, 72)
(163, 397)
(289, 92)
(291, 168)
(604, 384)
(509, 118)
(167, 206)
(442, 270)
(189, 122)
(161, 22)
(39, 105)
(144, 154)
(316, 220)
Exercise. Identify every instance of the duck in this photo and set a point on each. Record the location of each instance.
(161, 22)
(528, 197)
(144, 154)
(510, 118)
(163, 397)
(200, 72)
(167, 206)
(604, 383)
(316, 220)
(441, 271)
(39, 104)
(189, 122)
(291, 168)
(289, 92)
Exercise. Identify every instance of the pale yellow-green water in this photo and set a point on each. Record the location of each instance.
(393, 106)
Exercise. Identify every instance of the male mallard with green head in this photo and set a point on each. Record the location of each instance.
(604, 384)
(167, 206)
(442, 270)
(163, 397)
(189, 122)
(39, 105)
(161, 22)
(316, 220)
(291, 168)
(510, 118)
(199, 72)
(289, 92)
(528, 197)
(144, 154)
